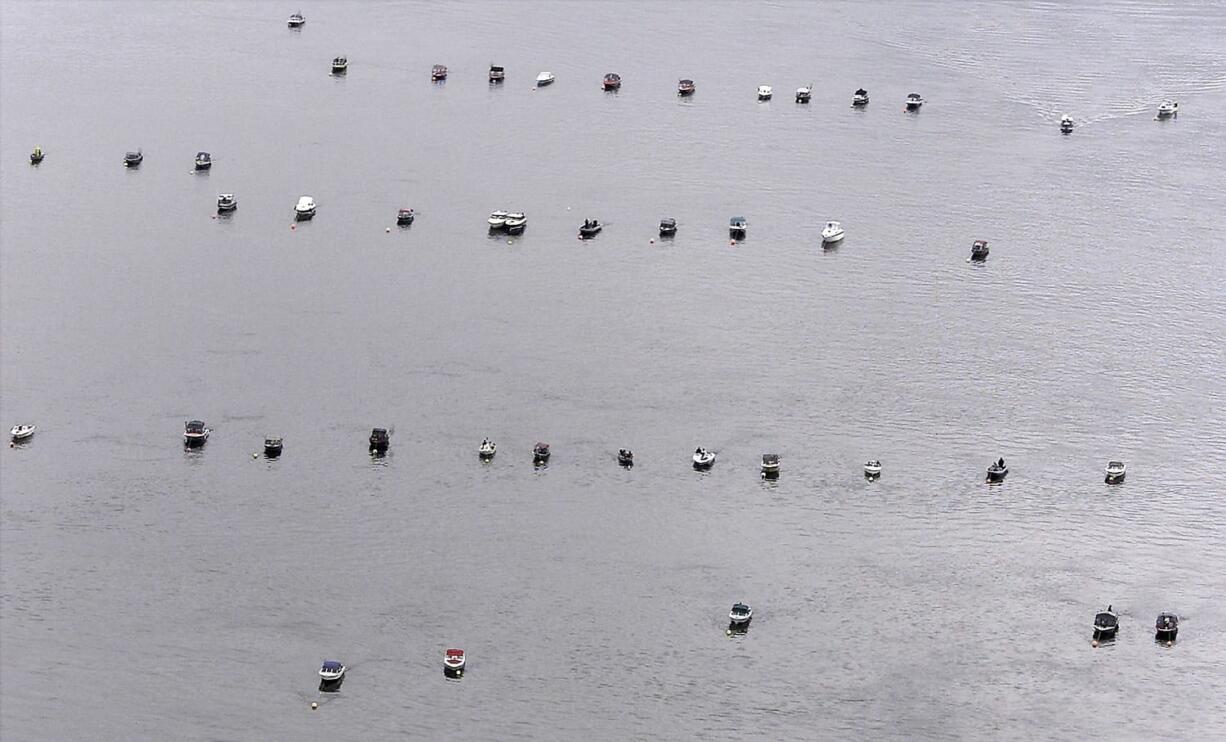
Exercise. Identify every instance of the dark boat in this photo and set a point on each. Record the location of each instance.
(540, 453)
(770, 465)
(590, 228)
(737, 226)
(133, 159)
(997, 471)
(612, 81)
(497, 73)
(36, 156)
(438, 72)
(195, 434)
(625, 457)
(1166, 627)
(859, 98)
(1066, 124)
(1106, 623)
(914, 101)
(380, 439)
(272, 447)
(685, 87)
(804, 94)
(1115, 472)
(405, 217)
(668, 227)
(226, 202)
(979, 250)
(340, 65)
(204, 161)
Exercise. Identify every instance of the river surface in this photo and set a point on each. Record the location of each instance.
(150, 593)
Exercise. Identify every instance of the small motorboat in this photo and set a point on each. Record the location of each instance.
(1166, 627)
(685, 87)
(872, 468)
(296, 20)
(737, 227)
(340, 65)
(405, 217)
(625, 457)
(668, 227)
(740, 615)
(195, 434)
(380, 439)
(770, 465)
(498, 219)
(997, 471)
(859, 98)
(1106, 623)
(612, 81)
(1116, 471)
(497, 74)
(1167, 109)
(438, 72)
(765, 92)
(832, 232)
(272, 446)
(304, 209)
(540, 453)
(331, 671)
(204, 161)
(36, 156)
(516, 221)
(453, 661)
(914, 101)
(703, 459)
(133, 159)
(1066, 124)
(590, 228)
(21, 433)
(545, 78)
(979, 250)
(226, 202)
(804, 94)
(486, 450)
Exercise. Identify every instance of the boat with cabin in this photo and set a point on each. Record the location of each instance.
(21, 433)
(872, 468)
(804, 94)
(331, 671)
(516, 221)
(1106, 623)
(195, 434)
(770, 465)
(914, 101)
(340, 65)
(297, 20)
(438, 72)
(831, 233)
(859, 98)
(625, 457)
(486, 450)
(545, 78)
(226, 202)
(1166, 628)
(685, 87)
(380, 439)
(273, 446)
(765, 92)
(498, 219)
(36, 156)
(304, 210)
(1066, 124)
(1167, 109)
(133, 159)
(737, 227)
(703, 459)
(979, 250)
(740, 615)
(668, 227)
(611, 81)
(204, 161)
(497, 73)
(1116, 471)
(405, 217)
(454, 661)
(540, 453)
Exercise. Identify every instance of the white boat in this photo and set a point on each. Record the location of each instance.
(832, 232)
(1066, 124)
(305, 208)
(331, 671)
(914, 101)
(226, 202)
(1167, 109)
(740, 614)
(498, 219)
(703, 459)
(516, 221)
(872, 468)
(21, 432)
(545, 78)
(804, 94)
(487, 449)
(296, 20)
(765, 92)
(1116, 471)
(453, 661)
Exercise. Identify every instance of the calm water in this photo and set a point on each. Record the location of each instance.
(149, 593)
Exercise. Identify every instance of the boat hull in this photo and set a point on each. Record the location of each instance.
(832, 239)
(272, 452)
(997, 476)
(1114, 477)
(872, 473)
(304, 216)
(979, 256)
(1105, 632)
(195, 441)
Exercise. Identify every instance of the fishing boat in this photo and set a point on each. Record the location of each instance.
(872, 468)
(380, 439)
(668, 227)
(997, 471)
(133, 159)
(831, 233)
(1106, 623)
(516, 221)
(204, 161)
(453, 661)
(36, 156)
(296, 20)
(859, 98)
(226, 202)
(979, 250)
(304, 210)
(331, 671)
(1167, 109)
(340, 65)
(405, 217)
(486, 450)
(804, 94)
(612, 81)
(1066, 124)
(543, 79)
(703, 459)
(497, 73)
(590, 228)
(540, 453)
(765, 92)
(21, 433)
(438, 72)
(1116, 471)
(737, 227)
(498, 219)
(272, 446)
(740, 615)
(685, 87)
(1166, 628)
(625, 457)
(770, 465)
(195, 434)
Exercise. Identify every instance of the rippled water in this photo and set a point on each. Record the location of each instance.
(151, 593)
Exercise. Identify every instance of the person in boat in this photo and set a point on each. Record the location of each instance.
(1001, 463)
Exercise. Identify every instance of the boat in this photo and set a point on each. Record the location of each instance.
(804, 94)
(1066, 124)
(914, 101)
(859, 98)
(540, 453)
(997, 471)
(331, 671)
(195, 434)
(668, 227)
(453, 661)
(486, 450)
(740, 615)
(737, 226)
(296, 20)
(703, 459)
(36, 156)
(979, 250)
(133, 159)
(625, 457)
(1106, 623)
(497, 74)
(405, 217)
(380, 439)
(272, 447)
(304, 209)
(21, 433)
(516, 221)
(685, 87)
(226, 202)
(770, 465)
(1167, 109)
(832, 232)
(498, 219)
(543, 79)
(590, 228)
(612, 81)
(1116, 471)
(340, 65)
(204, 161)
(1166, 627)
(438, 72)
(765, 92)
(872, 468)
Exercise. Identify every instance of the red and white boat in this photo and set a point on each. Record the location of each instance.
(453, 660)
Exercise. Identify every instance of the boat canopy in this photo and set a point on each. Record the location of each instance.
(737, 220)
(332, 666)
(668, 222)
(195, 426)
(455, 652)
(861, 91)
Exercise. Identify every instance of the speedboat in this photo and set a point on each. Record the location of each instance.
(770, 465)
(487, 450)
(625, 457)
(872, 468)
(498, 219)
(612, 81)
(997, 471)
(226, 202)
(516, 221)
(296, 20)
(1066, 124)
(703, 459)
(195, 434)
(380, 439)
(668, 227)
(737, 226)
(405, 217)
(740, 614)
(832, 232)
(685, 87)
(1166, 627)
(540, 453)
(133, 159)
(272, 446)
(305, 208)
(590, 228)
(453, 661)
(204, 161)
(438, 72)
(804, 94)
(914, 101)
(979, 250)
(497, 74)
(1116, 471)
(331, 671)
(1167, 109)
(21, 432)
(859, 98)
(545, 78)
(36, 156)
(340, 65)
(765, 92)
(1106, 623)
